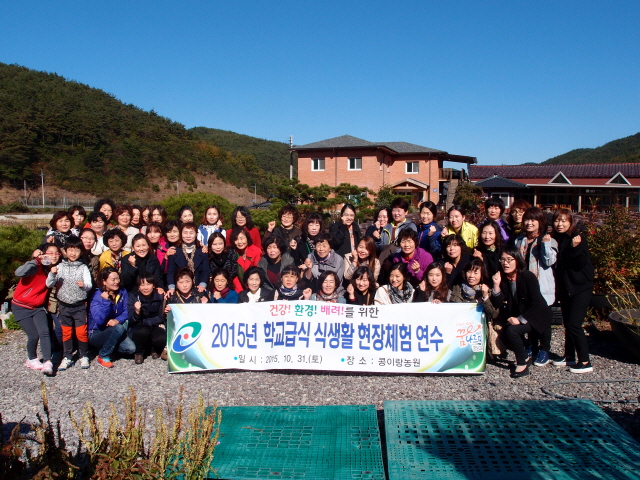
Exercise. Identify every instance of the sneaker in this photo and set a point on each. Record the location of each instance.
(84, 363)
(34, 364)
(528, 353)
(563, 362)
(104, 361)
(139, 359)
(581, 368)
(64, 364)
(542, 359)
(47, 368)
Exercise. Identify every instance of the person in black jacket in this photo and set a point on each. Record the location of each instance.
(346, 234)
(255, 287)
(454, 258)
(574, 275)
(146, 318)
(141, 261)
(516, 294)
(189, 255)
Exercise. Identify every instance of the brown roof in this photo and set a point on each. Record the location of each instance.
(600, 170)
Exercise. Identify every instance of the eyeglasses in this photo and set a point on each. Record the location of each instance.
(507, 260)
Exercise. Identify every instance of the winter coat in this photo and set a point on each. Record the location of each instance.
(263, 264)
(342, 238)
(574, 270)
(144, 265)
(264, 295)
(430, 243)
(151, 309)
(200, 265)
(65, 281)
(542, 258)
(102, 310)
(32, 290)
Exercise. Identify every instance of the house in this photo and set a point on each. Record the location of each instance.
(578, 187)
(410, 169)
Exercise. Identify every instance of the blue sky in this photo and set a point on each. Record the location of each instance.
(504, 81)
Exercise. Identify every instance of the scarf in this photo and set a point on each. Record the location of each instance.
(325, 260)
(189, 254)
(60, 238)
(469, 293)
(311, 243)
(224, 292)
(332, 298)
(116, 258)
(289, 292)
(398, 296)
(530, 260)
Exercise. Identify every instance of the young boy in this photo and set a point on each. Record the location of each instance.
(72, 281)
(323, 258)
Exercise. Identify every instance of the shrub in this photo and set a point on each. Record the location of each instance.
(16, 244)
(468, 196)
(198, 202)
(11, 324)
(14, 207)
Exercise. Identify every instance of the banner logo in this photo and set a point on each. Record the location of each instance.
(186, 337)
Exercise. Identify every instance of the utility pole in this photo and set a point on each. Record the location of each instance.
(177, 187)
(255, 200)
(290, 157)
(25, 192)
(42, 175)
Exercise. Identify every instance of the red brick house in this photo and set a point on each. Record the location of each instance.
(412, 170)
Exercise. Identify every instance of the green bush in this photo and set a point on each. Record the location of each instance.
(11, 323)
(261, 218)
(16, 244)
(199, 202)
(14, 207)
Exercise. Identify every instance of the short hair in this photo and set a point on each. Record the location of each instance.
(188, 226)
(289, 270)
(140, 236)
(250, 271)
(474, 264)
(565, 212)
(514, 252)
(146, 277)
(453, 239)
(313, 217)
(274, 240)
(386, 209)
(493, 224)
(75, 242)
(216, 273)
(519, 204)
(203, 221)
(170, 225)
(88, 230)
(114, 232)
(59, 215)
(409, 233)
(155, 226)
(104, 274)
(242, 210)
(349, 207)
(289, 209)
(494, 202)
(183, 209)
(325, 237)
(236, 231)
(429, 206)
(104, 201)
(534, 213)
(323, 276)
(93, 216)
(183, 272)
(457, 208)
(120, 209)
(400, 202)
(77, 208)
(364, 271)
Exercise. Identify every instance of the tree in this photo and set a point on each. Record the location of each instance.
(468, 196)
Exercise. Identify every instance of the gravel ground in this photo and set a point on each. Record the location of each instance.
(70, 390)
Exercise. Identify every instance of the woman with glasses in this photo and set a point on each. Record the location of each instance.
(516, 293)
(287, 230)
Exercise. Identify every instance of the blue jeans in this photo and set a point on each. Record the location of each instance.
(110, 338)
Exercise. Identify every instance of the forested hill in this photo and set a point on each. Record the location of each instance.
(88, 141)
(624, 150)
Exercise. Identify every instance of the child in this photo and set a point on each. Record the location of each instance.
(429, 230)
(306, 244)
(146, 318)
(322, 259)
(185, 214)
(489, 246)
(249, 255)
(289, 289)
(436, 288)
(221, 256)
(329, 289)
(98, 223)
(362, 288)
(363, 255)
(219, 288)
(185, 293)
(141, 262)
(72, 280)
(256, 291)
(242, 218)
(211, 223)
(189, 255)
(114, 240)
(27, 306)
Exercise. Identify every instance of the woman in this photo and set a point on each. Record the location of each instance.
(146, 318)
(380, 230)
(362, 288)
(494, 209)
(287, 230)
(114, 240)
(329, 289)
(221, 256)
(61, 224)
(289, 289)
(346, 234)
(241, 218)
(28, 306)
(256, 290)
(429, 232)
(454, 257)
(574, 282)
(514, 219)
(306, 244)
(275, 259)
(489, 246)
(185, 214)
(189, 254)
(169, 244)
(436, 289)
(220, 290)
(157, 213)
(516, 294)
(136, 217)
(416, 259)
(540, 252)
(141, 261)
(106, 207)
(363, 255)
(399, 289)
(458, 225)
(123, 215)
(107, 317)
(248, 254)
(89, 239)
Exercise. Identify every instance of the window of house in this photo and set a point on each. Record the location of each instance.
(412, 167)
(355, 163)
(317, 164)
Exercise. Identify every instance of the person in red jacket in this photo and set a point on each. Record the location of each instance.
(28, 306)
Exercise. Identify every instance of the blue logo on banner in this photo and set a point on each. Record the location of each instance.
(186, 337)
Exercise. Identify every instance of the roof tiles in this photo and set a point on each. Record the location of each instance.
(600, 170)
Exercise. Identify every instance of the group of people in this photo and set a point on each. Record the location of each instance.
(107, 280)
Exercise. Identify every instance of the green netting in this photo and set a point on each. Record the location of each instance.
(312, 443)
(508, 440)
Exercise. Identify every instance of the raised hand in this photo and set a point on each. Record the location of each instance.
(575, 241)
(271, 225)
(497, 278)
(448, 267)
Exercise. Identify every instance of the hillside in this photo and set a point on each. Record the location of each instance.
(623, 150)
(86, 140)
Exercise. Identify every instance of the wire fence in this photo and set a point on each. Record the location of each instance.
(63, 203)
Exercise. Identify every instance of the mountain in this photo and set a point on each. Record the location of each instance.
(624, 150)
(86, 140)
